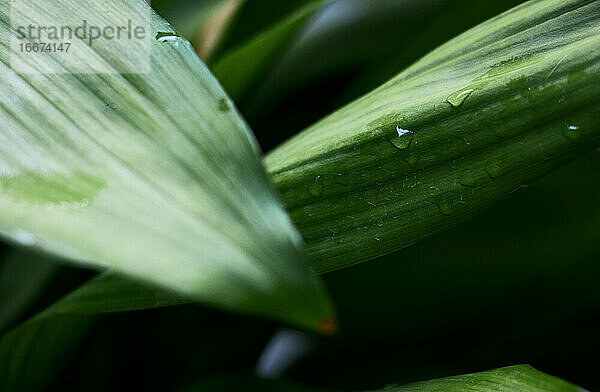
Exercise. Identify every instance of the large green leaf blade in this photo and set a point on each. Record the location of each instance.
(152, 174)
(491, 110)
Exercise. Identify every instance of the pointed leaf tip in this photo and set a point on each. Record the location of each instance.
(116, 153)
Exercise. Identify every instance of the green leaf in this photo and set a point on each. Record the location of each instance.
(22, 278)
(185, 17)
(491, 110)
(127, 155)
(242, 68)
(110, 292)
(32, 354)
(522, 378)
(254, 18)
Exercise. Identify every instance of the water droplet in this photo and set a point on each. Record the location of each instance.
(341, 181)
(308, 211)
(223, 106)
(468, 178)
(402, 132)
(402, 141)
(495, 169)
(458, 97)
(528, 92)
(445, 207)
(167, 36)
(315, 187)
(572, 132)
(495, 71)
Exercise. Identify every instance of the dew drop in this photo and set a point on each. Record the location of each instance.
(494, 169)
(457, 98)
(468, 179)
(111, 106)
(315, 187)
(496, 71)
(572, 132)
(341, 180)
(445, 207)
(402, 132)
(402, 141)
(166, 37)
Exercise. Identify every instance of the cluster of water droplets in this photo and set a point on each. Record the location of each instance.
(403, 139)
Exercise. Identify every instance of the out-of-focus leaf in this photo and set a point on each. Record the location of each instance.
(493, 109)
(32, 354)
(128, 155)
(242, 68)
(254, 18)
(113, 293)
(22, 278)
(210, 36)
(188, 17)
